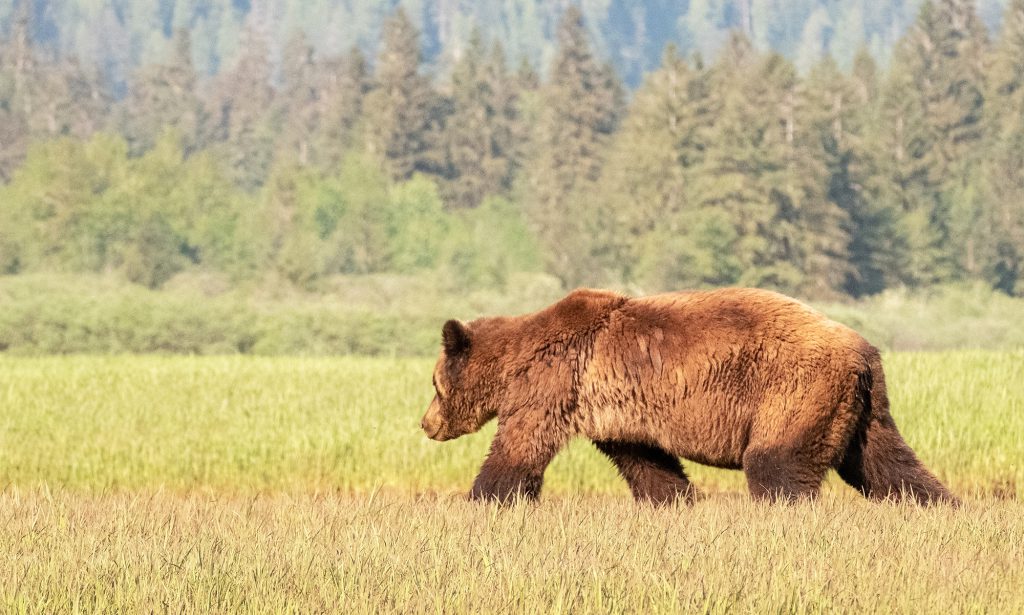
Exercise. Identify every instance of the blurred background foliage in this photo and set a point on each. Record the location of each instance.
(281, 177)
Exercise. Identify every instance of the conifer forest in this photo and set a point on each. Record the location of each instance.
(827, 149)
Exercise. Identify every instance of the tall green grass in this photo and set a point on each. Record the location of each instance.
(245, 424)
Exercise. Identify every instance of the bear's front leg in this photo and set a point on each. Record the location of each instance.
(514, 467)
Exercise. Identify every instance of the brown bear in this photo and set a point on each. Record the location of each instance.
(734, 378)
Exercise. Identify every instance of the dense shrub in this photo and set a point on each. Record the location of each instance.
(396, 315)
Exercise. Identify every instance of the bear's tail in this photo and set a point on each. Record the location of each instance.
(877, 460)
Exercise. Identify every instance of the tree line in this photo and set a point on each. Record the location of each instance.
(121, 36)
(734, 170)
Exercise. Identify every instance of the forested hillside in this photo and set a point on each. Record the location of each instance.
(121, 35)
(296, 165)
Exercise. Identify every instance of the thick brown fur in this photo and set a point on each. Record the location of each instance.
(735, 378)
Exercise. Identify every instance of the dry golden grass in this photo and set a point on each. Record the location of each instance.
(161, 551)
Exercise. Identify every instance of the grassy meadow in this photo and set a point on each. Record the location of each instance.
(244, 484)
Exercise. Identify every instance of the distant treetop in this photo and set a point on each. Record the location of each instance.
(630, 34)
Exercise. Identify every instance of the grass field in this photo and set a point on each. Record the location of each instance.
(296, 485)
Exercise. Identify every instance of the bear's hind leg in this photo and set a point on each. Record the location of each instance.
(774, 474)
(880, 464)
(653, 474)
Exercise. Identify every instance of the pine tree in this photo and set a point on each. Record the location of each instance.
(839, 108)
(1000, 230)
(242, 117)
(646, 185)
(161, 97)
(21, 67)
(524, 87)
(810, 228)
(929, 131)
(299, 102)
(400, 110)
(510, 133)
(52, 96)
(743, 162)
(898, 138)
(343, 84)
(14, 130)
(764, 172)
(944, 51)
(581, 106)
(478, 134)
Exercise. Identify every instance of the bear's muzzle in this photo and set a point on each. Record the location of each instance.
(433, 423)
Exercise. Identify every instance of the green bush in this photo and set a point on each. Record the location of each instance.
(939, 318)
(66, 315)
(394, 315)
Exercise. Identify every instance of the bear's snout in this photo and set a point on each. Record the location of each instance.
(430, 427)
(432, 423)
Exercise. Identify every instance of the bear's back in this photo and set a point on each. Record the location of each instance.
(732, 315)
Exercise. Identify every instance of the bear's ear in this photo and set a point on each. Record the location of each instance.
(455, 338)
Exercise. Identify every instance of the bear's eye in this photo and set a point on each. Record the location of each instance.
(437, 389)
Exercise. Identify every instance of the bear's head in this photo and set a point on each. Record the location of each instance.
(462, 387)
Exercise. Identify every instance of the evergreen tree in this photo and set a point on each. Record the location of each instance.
(839, 108)
(944, 51)
(738, 173)
(930, 128)
(299, 102)
(401, 109)
(243, 121)
(899, 138)
(580, 109)
(343, 84)
(744, 163)
(161, 97)
(508, 93)
(810, 229)
(524, 86)
(478, 134)
(50, 96)
(1000, 229)
(14, 133)
(120, 37)
(764, 172)
(646, 185)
